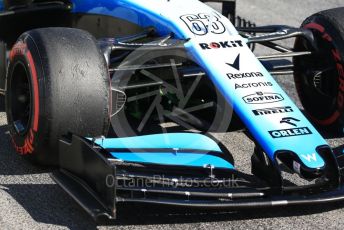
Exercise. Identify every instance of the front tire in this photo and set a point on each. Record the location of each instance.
(319, 78)
(57, 83)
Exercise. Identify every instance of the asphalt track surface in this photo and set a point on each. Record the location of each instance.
(29, 199)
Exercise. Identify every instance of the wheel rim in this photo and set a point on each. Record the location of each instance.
(20, 99)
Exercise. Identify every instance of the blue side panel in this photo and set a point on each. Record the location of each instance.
(168, 141)
(171, 140)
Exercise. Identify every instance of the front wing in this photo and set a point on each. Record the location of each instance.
(99, 180)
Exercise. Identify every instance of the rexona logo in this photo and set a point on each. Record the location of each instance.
(236, 65)
(290, 132)
(253, 85)
(244, 75)
(274, 110)
(221, 45)
(262, 98)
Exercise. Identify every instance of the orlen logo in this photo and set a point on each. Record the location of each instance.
(262, 98)
(221, 45)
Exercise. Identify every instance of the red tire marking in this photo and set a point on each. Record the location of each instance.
(35, 91)
(336, 55)
(315, 26)
(28, 144)
(327, 37)
(20, 48)
(319, 28)
(340, 70)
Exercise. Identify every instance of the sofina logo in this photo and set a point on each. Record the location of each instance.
(262, 98)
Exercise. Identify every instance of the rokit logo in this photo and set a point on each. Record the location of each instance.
(290, 132)
(262, 98)
(221, 45)
(274, 110)
(253, 85)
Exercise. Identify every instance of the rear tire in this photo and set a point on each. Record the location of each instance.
(319, 78)
(58, 82)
